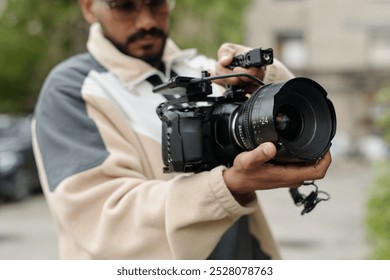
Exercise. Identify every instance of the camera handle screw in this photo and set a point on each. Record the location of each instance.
(310, 201)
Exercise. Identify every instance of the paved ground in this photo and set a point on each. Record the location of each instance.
(26, 230)
(334, 230)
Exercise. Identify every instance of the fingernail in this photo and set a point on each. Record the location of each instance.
(267, 149)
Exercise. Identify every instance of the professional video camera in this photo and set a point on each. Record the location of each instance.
(201, 131)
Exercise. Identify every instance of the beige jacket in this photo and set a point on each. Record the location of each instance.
(98, 148)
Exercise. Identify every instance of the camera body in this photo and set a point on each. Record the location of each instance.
(195, 131)
(201, 131)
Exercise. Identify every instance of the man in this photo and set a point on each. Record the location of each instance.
(97, 141)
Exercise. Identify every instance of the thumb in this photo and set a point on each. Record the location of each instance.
(265, 152)
(258, 156)
(226, 53)
(225, 58)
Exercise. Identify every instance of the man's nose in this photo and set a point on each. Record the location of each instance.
(145, 19)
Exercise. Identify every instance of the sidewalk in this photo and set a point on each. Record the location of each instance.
(334, 229)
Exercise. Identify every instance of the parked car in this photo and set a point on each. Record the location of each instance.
(18, 172)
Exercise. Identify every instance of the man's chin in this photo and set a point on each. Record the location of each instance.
(154, 61)
(142, 48)
(149, 53)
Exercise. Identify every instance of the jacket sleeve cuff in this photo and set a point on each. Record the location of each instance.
(225, 197)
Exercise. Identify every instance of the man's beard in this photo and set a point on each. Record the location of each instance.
(155, 59)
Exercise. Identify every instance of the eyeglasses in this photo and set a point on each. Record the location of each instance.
(129, 9)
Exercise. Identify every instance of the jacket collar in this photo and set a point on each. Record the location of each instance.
(130, 70)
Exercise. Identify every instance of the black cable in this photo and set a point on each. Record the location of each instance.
(226, 76)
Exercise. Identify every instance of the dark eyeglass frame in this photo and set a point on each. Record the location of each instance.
(129, 9)
(115, 4)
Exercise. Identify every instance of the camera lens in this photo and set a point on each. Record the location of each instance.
(288, 122)
(295, 115)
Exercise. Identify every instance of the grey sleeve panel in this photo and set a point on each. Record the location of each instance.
(68, 139)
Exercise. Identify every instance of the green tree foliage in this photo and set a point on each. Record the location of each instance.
(207, 24)
(378, 208)
(37, 34)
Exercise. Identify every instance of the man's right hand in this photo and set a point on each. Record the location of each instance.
(251, 171)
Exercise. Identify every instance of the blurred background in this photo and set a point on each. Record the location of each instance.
(343, 45)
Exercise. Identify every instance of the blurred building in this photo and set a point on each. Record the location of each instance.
(343, 45)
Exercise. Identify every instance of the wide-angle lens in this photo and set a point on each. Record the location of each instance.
(295, 115)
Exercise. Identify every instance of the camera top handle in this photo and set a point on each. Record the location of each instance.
(253, 58)
(202, 86)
